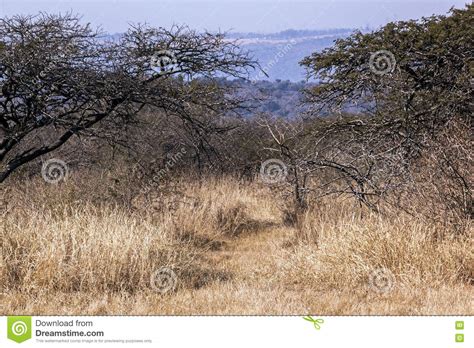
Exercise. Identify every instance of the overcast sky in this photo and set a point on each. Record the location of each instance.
(237, 15)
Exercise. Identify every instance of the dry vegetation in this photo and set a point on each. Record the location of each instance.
(68, 249)
(330, 212)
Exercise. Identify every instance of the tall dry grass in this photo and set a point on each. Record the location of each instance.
(90, 246)
(56, 238)
(335, 249)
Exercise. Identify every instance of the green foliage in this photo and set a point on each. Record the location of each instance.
(429, 79)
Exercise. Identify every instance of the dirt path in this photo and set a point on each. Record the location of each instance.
(245, 255)
(252, 261)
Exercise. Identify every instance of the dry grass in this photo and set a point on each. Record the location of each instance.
(77, 248)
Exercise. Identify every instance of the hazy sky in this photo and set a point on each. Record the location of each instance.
(236, 15)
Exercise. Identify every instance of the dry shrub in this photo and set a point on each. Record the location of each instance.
(442, 180)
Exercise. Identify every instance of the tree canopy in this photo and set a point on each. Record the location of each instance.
(58, 73)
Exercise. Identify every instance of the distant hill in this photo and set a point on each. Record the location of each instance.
(280, 53)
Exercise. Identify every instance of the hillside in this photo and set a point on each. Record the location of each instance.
(280, 53)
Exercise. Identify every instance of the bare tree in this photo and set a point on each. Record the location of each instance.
(57, 73)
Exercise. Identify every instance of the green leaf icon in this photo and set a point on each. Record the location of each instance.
(19, 328)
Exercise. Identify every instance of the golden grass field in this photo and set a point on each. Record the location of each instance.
(67, 249)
